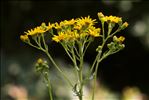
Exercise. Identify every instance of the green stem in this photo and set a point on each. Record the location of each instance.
(103, 32)
(74, 59)
(50, 90)
(98, 58)
(57, 67)
(36, 47)
(81, 78)
(49, 86)
(98, 55)
(109, 28)
(95, 79)
(76, 51)
(87, 47)
(81, 48)
(66, 50)
(96, 72)
(114, 32)
(45, 46)
(100, 52)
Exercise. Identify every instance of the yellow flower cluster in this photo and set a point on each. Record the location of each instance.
(66, 30)
(76, 29)
(112, 19)
(36, 31)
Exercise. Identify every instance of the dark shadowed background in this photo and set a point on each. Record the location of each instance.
(129, 67)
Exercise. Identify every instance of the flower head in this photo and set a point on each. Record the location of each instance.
(59, 37)
(49, 27)
(64, 23)
(94, 31)
(36, 31)
(86, 21)
(24, 38)
(124, 25)
(39, 29)
(113, 19)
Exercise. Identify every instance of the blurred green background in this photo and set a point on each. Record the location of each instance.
(128, 68)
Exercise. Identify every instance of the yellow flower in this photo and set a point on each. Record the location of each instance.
(71, 35)
(59, 37)
(64, 23)
(116, 20)
(39, 30)
(36, 31)
(49, 27)
(24, 37)
(78, 27)
(113, 19)
(110, 18)
(56, 38)
(57, 26)
(76, 35)
(86, 21)
(94, 31)
(121, 39)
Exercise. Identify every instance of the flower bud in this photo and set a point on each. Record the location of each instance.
(115, 39)
(100, 15)
(24, 38)
(98, 48)
(122, 46)
(42, 66)
(124, 25)
(109, 45)
(121, 39)
(39, 61)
